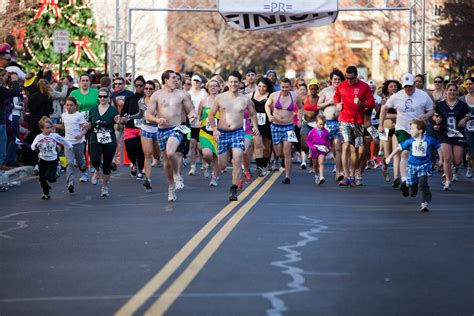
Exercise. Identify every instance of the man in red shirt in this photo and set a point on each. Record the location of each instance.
(352, 97)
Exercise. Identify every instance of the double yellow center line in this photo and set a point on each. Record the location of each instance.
(169, 296)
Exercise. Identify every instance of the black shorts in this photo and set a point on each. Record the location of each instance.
(455, 141)
(183, 146)
(265, 131)
(195, 133)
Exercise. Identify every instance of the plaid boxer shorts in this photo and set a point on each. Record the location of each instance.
(147, 134)
(230, 139)
(414, 172)
(280, 132)
(165, 133)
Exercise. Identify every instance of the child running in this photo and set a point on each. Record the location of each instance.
(45, 143)
(74, 125)
(319, 143)
(419, 166)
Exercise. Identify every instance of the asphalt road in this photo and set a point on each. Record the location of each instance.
(296, 249)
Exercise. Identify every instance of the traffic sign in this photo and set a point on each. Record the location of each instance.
(61, 41)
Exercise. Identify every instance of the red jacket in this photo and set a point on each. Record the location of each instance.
(345, 93)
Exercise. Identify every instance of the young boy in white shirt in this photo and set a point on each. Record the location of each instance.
(46, 143)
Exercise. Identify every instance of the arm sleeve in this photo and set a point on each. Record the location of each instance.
(36, 141)
(60, 94)
(309, 139)
(406, 144)
(58, 138)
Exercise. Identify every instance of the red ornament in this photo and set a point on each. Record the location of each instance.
(83, 44)
(48, 4)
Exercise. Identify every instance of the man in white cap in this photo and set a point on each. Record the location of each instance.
(410, 103)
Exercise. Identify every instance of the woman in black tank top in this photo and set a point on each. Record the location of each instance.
(262, 142)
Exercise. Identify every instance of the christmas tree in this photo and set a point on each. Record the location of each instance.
(36, 23)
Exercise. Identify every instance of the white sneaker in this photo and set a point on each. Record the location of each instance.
(469, 173)
(95, 178)
(207, 173)
(311, 170)
(303, 165)
(172, 194)
(192, 171)
(84, 177)
(358, 180)
(334, 169)
(322, 180)
(213, 182)
(316, 179)
(104, 191)
(455, 177)
(179, 183)
(424, 207)
(447, 186)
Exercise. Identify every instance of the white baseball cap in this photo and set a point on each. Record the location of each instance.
(408, 80)
(196, 77)
(18, 71)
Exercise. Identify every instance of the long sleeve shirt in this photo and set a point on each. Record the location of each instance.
(318, 139)
(46, 145)
(346, 93)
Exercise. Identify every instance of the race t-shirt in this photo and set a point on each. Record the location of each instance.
(409, 108)
(103, 126)
(46, 144)
(347, 95)
(73, 126)
(451, 116)
(420, 149)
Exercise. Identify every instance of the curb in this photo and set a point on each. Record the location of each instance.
(15, 175)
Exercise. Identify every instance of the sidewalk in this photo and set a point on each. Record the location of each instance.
(9, 175)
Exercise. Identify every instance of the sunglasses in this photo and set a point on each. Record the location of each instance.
(149, 89)
(187, 83)
(138, 86)
(103, 96)
(437, 81)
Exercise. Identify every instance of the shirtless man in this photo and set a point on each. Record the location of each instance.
(165, 108)
(280, 108)
(251, 79)
(326, 104)
(229, 134)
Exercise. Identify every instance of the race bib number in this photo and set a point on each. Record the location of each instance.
(359, 141)
(182, 129)
(373, 132)
(384, 135)
(322, 148)
(138, 123)
(104, 137)
(454, 133)
(86, 115)
(208, 125)
(292, 136)
(261, 118)
(419, 148)
(470, 125)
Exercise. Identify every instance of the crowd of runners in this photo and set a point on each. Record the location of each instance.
(254, 122)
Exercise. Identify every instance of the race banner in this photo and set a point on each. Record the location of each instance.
(267, 15)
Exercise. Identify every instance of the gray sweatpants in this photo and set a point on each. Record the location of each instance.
(76, 153)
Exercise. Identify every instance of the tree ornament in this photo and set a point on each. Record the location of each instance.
(51, 21)
(46, 42)
(89, 22)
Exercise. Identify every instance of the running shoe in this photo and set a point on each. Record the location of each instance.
(345, 182)
(207, 172)
(147, 185)
(303, 165)
(36, 170)
(286, 181)
(414, 191)
(334, 170)
(140, 176)
(270, 165)
(447, 186)
(248, 176)
(213, 182)
(311, 170)
(192, 171)
(133, 171)
(104, 191)
(376, 164)
(259, 171)
(179, 182)
(46, 197)
(424, 207)
(369, 165)
(233, 193)
(264, 171)
(84, 177)
(455, 177)
(469, 173)
(316, 179)
(396, 183)
(113, 166)
(70, 187)
(358, 181)
(340, 178)
(172, 194)
(91, 169)
(404, 189)
(322, 180)
(240, 185)
(95, 178)
(276, 166)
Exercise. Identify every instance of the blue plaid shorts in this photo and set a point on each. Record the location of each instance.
(280, 133)
(414, 172)
(165, 133)
(230, 139)
(333, 127)
(146, 134)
